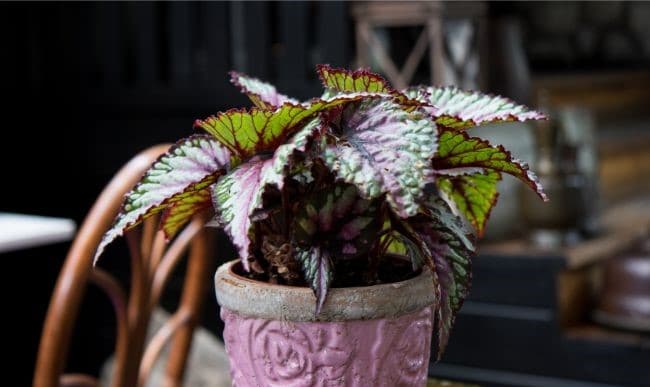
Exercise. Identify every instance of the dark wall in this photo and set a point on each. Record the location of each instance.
(88, 85)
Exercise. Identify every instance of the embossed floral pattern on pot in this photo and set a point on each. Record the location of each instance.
(379, 352)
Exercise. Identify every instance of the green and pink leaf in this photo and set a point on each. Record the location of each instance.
(348, 223)
(458, 109)
(251, 132)
(318, 269)
(186, 168)
(380, 148)
(337, 80)
(452, 248)
(234, 197)
(239, 194)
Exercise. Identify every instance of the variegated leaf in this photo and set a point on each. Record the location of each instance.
(250, 132)
(237, 195)
(380, 148)
(459, 154)
(338, 217)
(317, 267)
(283, 155)
(181, 212)
(186, 168)
(234, 198)
(337, 80)
(460, 109)
(262, 94)
(473, 195)
(346, 81)
(452, 248)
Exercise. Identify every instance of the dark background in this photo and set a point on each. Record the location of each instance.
(88, 85)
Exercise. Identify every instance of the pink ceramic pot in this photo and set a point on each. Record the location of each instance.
(366, 336)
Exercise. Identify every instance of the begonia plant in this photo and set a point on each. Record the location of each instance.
(363, 185)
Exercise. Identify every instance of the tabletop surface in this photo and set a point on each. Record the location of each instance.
(20, 231)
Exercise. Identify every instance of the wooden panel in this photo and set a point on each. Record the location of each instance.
(610, 92)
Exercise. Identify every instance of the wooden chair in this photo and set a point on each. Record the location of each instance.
(152, 262)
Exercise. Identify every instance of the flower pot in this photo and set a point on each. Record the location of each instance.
(364, 336)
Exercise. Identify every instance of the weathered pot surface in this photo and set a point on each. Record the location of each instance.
(364, 336)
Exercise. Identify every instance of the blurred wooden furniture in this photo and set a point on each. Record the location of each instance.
(454, 56)
(526, 321)
(619, 103)
(152, 262)
(606, 92)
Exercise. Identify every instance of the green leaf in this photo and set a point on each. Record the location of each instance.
(346, 81)
(474, 195)
(382, 149)
(250, 132)
(186, 168)
(318, 270)
(181, 211)
(459, 109)
(263, 95)
(460, 154)
(452, 248)
(337, 80)
(237, 195)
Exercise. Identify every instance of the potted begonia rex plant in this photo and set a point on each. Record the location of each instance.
(354, 215)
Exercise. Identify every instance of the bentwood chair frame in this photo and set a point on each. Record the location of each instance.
(152, 262)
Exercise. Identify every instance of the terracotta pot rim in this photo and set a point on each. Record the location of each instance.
(292, 303)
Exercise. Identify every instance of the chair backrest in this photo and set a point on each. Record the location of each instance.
(152, 262)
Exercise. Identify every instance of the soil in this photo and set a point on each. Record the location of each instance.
(350, 273)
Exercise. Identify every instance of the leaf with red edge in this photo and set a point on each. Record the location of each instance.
(318, 269)
(237, 195)
(339, 217)
(452, 248)
(346, 81)
(459, 154)
(250, 132)
(180, 212)
(380, 148)
(473, 195)
(188, 167)
(262, 94)
(459, 109)
(337, 80)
